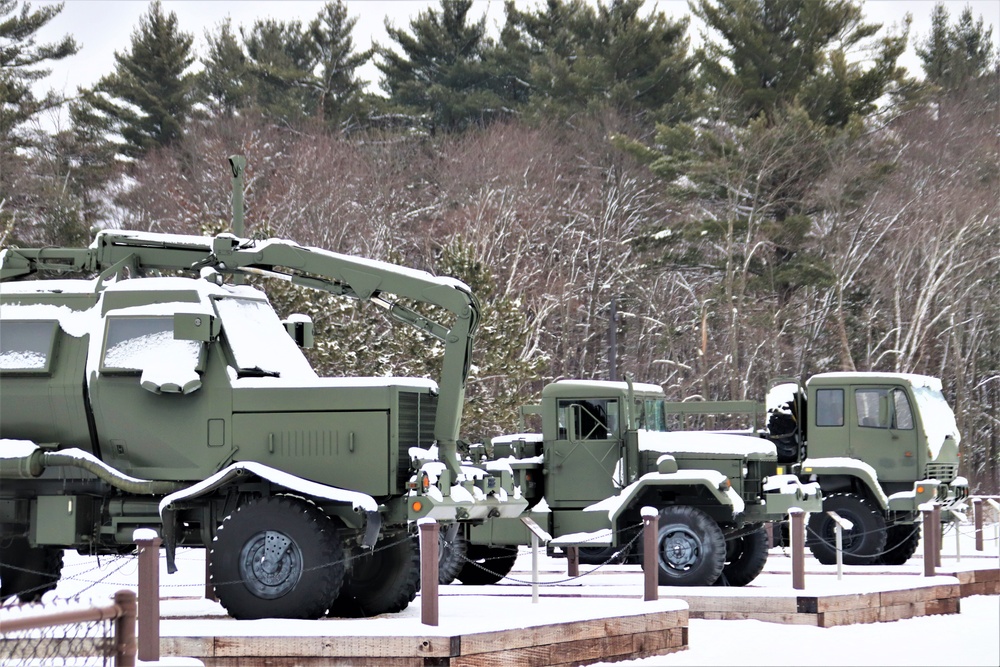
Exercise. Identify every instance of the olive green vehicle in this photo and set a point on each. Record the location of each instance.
(182, 403)
(879, 445)
(603, 454)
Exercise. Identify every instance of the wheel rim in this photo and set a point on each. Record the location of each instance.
(680, 548)
(851, 538)
(270, 564)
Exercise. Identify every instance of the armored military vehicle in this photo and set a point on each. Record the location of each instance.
(603, 453)
(181, 402)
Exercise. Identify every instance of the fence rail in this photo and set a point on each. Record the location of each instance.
(25, 635)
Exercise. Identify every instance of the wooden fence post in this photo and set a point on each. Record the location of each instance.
(572, 561)
(125, 629)
(428, 571)
(977, 515)
(798, 538)
(650, 554)
(929, 540)
(149, 593)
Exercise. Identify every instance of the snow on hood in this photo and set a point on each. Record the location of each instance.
(699, 442)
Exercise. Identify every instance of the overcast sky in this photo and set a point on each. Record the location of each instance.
(103, 26)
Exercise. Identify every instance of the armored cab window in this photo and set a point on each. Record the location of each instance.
(902, 416)
(26, 346)
(829, 407)
(872, 408)
(134, 344)
(596, 419)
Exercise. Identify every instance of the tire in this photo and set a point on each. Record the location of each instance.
(384, 581)
(690, 547)
(602, 555)
(745, 559)
(862, 544)
(451, 557)
(485, 565)
(900, 544)
(26, 571)
(300, 583)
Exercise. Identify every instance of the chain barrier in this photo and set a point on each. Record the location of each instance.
(613, 557)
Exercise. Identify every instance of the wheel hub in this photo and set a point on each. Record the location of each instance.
(679, 548)
(270, 564)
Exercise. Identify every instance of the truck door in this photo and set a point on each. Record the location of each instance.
(585, 459)
(882, 432)
(153, 418)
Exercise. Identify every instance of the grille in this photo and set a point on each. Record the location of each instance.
(943, 472)
(416, 427)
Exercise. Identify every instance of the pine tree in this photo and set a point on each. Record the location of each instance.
(148, 98)
(22, 63)
(224, 82)
(447, 72)
(584, 56)
(955, 56)
(776, 53)
(281, 62)
(337, 84)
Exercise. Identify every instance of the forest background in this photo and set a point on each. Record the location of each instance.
(781, 200)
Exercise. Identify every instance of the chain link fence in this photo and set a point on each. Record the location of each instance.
(69, 632)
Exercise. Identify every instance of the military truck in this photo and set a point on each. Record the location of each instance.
(604, 453)
(152, 393)
(879, 445)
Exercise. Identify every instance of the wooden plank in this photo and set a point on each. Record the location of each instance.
(891, 598)
(847, 602)
(829, 619)
(579, 651)
(992, 574)
(767, 604)
(300, 661)
(361, 647)
(944, 606)
(897, 612)
(486, 642)
(786, 618)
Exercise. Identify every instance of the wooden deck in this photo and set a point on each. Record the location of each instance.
(634, 629)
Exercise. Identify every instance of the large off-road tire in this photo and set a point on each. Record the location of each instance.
(745, 559)
(900, 544)
(277, 557)
(691, 549)
(862, 544)
(485, 565)
(28, 572)
(451, 557)
(384, 581)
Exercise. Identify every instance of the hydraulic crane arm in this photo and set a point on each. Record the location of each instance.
(384, 284)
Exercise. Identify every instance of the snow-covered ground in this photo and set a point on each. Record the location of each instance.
(969, 638)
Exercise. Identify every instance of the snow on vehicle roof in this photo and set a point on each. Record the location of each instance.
(76, 323)
(639, 387)
(49, 286)
(910, 378)
(350, 382)
(699, 442)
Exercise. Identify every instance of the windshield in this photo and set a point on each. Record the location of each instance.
(651, 414)
(936, 417)
(261, 346)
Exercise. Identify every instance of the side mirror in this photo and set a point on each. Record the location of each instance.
(300, 328)
(195, 326)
